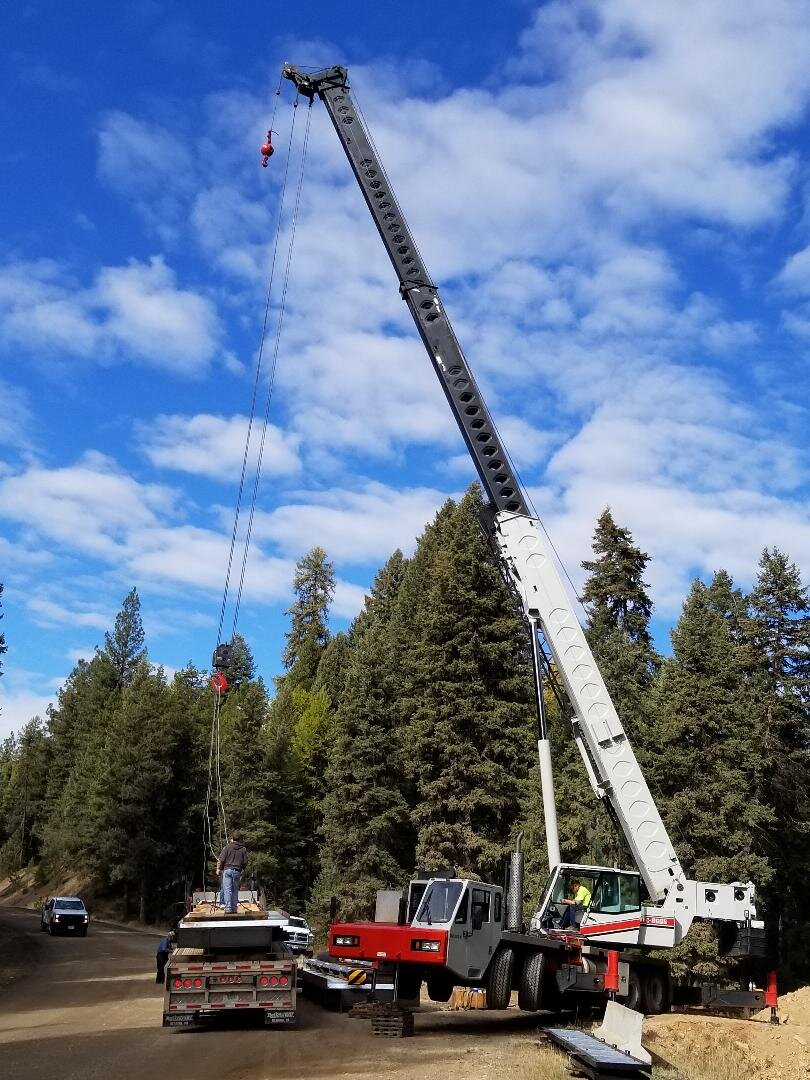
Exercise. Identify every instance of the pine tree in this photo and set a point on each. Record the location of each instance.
(465, 696)
(124, 647)
(78, 729)
(242, 666)
(314, 586)
(780, 630)
(619, 610)
(22, 804)
(709, 757)
(134, 844)
(367, 838)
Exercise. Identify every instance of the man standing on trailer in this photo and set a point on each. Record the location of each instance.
(231, 865)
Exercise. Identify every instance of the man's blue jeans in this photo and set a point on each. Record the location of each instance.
(230, 888)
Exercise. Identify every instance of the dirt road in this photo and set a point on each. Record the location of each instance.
(89, 1009)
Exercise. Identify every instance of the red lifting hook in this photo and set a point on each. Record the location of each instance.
(267, 149)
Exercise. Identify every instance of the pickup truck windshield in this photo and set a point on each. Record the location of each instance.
(440, 902)
(69, 905)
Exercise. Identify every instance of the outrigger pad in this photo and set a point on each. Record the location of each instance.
(621, 1027)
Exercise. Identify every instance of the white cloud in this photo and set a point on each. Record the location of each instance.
(354, 526)
(50, 613)
(795, 274)
(132, 312)
(214, 446)
(91, 507)
(17, 707)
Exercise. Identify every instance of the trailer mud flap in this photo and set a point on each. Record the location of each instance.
(179, 1020)
(284, 1016)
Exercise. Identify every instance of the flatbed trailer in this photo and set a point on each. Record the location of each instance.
(223, 963)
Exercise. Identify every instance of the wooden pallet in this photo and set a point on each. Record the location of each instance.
(393, 1027)
(206, 912)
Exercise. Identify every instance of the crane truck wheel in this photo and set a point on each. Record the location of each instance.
(499, 984)
(409, 982)
(440, 987)
(633, 1000)
(530, 991)
(656, 991)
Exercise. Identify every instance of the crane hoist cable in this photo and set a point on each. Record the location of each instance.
(274, 366)
(259, 358)
(214, 790)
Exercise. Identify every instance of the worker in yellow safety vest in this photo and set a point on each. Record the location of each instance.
(575, 905)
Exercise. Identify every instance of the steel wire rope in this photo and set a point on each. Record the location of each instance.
(274, 365)
(259, 360)
(214, 762)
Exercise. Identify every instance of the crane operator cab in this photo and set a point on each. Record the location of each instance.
(590, 900)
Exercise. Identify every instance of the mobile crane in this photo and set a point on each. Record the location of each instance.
(450, 931)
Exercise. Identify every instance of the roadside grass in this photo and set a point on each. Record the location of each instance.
(679, 1059)
(693, 1058)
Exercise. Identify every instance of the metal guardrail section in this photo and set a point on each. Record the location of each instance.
(600, 1061)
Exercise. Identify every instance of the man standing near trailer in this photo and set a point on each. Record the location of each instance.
(230, 866)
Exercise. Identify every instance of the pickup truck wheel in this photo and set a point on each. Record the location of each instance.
(656, 992)
(530, 991)
(633, 1000)
(499, 984)
(83, 932)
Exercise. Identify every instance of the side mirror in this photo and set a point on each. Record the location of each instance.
(477, 918)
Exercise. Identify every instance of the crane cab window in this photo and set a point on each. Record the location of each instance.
(616, 893)
(480, 907)
(564, 889)
(439, 902)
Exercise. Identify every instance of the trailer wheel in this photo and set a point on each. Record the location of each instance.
(499, 985)
(530, 992)
(440, 987)
(656, 992)
(633, 1000)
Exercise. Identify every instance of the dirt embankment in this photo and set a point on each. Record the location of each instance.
(701, 1047)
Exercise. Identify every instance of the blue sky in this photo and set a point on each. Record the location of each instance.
(613, 196)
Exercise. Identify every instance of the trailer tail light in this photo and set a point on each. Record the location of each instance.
(283, 980)
(420, 945)
(198, 982)
(264, 981)
(178, 983)
(187, 983)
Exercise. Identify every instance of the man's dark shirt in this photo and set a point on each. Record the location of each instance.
(233, 856)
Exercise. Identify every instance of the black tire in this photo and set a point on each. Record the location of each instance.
(657, 992)
(409, 982)
(440, 986)
(83, 932)
(499, 983)
(530, 991)
(634, 994)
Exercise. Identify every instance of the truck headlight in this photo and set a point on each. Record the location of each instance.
(420, 945)
(350, 940)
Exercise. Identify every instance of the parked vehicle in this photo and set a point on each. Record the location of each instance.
(65, 915)
(298, 936)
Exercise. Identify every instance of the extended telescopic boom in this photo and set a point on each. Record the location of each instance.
(526, 555)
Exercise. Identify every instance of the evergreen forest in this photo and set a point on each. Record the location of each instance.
(410, 740)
